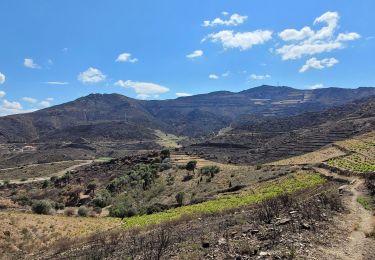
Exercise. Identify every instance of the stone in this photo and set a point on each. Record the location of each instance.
(205, 244)
(222, 241)
(283, 221)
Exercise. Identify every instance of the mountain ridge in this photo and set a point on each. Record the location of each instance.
(194, 116)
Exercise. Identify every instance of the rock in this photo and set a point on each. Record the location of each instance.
(293, 212)
(205, 244)
(343, 188)
(254, 231)
(305, 226)
(283, 221)
(222, 241)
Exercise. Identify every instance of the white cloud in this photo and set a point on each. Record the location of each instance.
(348, 36)
(241, 40)
(57, 83)
(2, 93)
(126, 57)
(213, 76)
(182, 94)
(11, 105)
(195, 54)
(29, 63)
(295, 35)
(2, 78)
(91, 75)
(317, 86)
(50, 99)
(225, 74)
(65, 49)
(45, 103)
(309, 42)
(234, 20)
(314, 63)
(259, 77)
(30, 100)
(144, 90)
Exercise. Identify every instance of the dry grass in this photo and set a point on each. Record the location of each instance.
(29, 232)
(168, 140)
(35, 171)
(311, 158)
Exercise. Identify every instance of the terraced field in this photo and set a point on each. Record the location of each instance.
(289, 184)
(362, 154)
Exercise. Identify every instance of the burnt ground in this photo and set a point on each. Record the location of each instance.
(283, 228)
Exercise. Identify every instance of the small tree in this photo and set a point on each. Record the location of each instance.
(83, 211)
(191, 165)
(165, 154)
(42, 207)
(91, 187)
(180, 198)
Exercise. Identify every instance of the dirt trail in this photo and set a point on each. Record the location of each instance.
(358, 222)
(57, 174)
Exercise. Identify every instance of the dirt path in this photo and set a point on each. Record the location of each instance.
(357, 223)
(57, 174)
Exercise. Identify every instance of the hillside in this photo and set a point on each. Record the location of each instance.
(268, 139)
(116, 117)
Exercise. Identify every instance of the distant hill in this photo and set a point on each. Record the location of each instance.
(116, 117)
(259, 140)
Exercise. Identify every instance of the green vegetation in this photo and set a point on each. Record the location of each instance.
(180, 198)
(83, 211)
(190, 166)
(165, 154)
(42, 207)
(288, 184)
(366, 202)
(210, 170)
(142, 174)
(354, 162)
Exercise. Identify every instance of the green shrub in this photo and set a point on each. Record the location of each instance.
(69, 212)
(58, 206)
(121, 211)
(180, 198)
(191, 165)
(102, 199)
(41, 207)
(210, 170)
(83, 211)
(165, 154)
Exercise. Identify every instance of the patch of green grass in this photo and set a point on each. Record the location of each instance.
(286, 185)
(366, 202)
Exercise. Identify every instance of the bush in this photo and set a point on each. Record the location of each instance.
(190, 166)
(210, 170)
(59, 206)
(180, 198)
(157, 207)
(102, 199)
(165, 154)
(120, 211)
(98, 210)
(69, 212)
(164, 167)
(83, 211)
(42, 207)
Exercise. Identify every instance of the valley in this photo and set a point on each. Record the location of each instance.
(242, 192)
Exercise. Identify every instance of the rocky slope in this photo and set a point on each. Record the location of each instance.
(116, 117)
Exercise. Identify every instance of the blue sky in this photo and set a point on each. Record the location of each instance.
(55, 51)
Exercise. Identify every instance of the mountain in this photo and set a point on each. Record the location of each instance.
(116, 117)
(259, 140)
